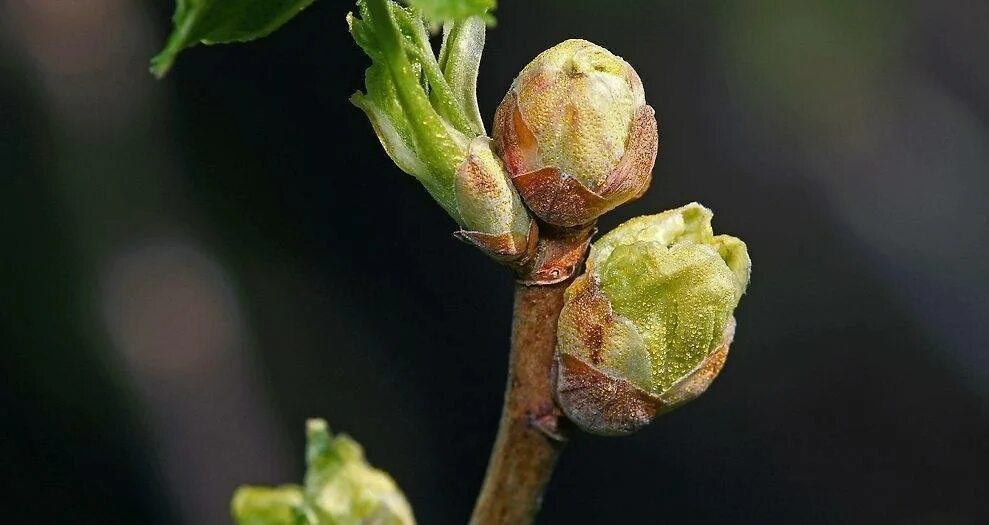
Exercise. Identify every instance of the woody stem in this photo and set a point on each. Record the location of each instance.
(532, 431)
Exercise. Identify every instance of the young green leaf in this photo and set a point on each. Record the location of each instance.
(418, 137)
(460, 58)
(424, 112)
(220, 22)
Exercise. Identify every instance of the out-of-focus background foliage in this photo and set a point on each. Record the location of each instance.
(192, 267)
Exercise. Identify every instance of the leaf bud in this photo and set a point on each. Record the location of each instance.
(648, 325)
(576, 133)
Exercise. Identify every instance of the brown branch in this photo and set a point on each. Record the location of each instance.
(532, 431)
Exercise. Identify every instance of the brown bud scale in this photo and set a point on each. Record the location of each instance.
(600, 403)
(603, 404)
(558, 255)
(507, 248)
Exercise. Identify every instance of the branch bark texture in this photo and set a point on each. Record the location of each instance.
(533, 430)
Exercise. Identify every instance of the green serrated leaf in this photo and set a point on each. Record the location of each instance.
(222, 21)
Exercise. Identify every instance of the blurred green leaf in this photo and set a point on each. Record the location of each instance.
(267, 506)
(439, 11)
(222, 21)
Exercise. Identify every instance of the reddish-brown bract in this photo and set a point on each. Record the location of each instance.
(506, 248)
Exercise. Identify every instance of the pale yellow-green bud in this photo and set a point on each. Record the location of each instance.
(576, 133)
(648, 325)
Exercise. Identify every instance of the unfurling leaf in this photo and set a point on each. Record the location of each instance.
(424, 111)
(425, 136)
(221, 22)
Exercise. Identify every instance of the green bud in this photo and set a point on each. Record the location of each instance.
(340, 489)
(576, 133)
(648, 325)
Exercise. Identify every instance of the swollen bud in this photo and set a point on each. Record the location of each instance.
(576, 133)
(647, 327)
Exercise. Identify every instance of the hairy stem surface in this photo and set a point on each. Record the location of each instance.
(532, 431)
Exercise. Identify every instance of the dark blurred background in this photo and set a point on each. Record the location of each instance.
(192, 267)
